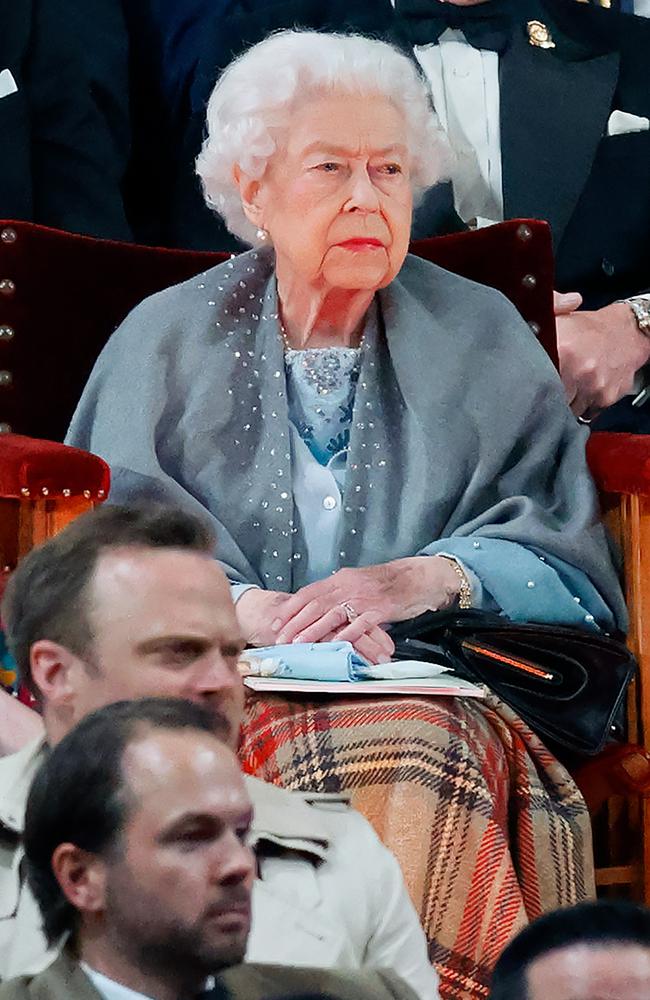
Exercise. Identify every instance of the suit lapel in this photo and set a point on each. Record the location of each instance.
(553, 115)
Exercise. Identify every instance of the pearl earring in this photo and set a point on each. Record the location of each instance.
(262, 235)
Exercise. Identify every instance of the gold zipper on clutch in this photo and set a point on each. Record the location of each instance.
(494, 654)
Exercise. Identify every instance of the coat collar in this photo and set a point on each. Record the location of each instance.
(16, 774)
(61, 980)
(551, 126)
(285, 819)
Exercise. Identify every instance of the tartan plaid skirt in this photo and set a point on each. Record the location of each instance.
(488, 827)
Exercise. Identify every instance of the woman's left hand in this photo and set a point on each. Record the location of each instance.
(388, 592)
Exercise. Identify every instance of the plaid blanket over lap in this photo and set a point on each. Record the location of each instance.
(488, 827)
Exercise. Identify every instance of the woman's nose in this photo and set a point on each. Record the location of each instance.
(362, 195)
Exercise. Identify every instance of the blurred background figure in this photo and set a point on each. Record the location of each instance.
(594, 951)
(64, 118)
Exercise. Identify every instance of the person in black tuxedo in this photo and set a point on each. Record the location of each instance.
(64, 129)
(548, 105)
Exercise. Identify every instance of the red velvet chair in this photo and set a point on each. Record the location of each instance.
(61, 296)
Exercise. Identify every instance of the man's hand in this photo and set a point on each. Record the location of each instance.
(389, 592)
(600, 353)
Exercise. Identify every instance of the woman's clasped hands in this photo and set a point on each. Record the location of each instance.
(353, 605)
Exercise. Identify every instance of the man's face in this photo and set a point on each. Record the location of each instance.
(164, 625)
(611, 971)
(177, 889)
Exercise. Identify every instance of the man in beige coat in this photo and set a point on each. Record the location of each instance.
(129, 603)
(136, 847)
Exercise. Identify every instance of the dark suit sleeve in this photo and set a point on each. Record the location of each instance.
(76, 77)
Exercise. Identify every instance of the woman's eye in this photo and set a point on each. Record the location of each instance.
(328, 168)
(391, 169)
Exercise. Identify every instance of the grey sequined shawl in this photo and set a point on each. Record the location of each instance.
(460, 426)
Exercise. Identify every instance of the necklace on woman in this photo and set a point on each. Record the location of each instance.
(325, 367)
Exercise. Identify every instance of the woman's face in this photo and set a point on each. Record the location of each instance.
(337, 199)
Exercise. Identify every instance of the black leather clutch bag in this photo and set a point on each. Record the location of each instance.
(568, 685)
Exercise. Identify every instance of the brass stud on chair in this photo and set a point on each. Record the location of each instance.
(66, 492)
(87, 494)
(101, 494)
(8, 235)
(7, 287)
(24, 492)
(524, 233)
(6, 332)
(529, 281)
(6, 378)
(45, 491)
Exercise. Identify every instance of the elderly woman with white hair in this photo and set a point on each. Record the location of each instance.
(372, 437)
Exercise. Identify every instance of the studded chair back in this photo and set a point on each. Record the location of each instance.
(62, 295)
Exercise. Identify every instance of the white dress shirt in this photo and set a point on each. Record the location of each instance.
(464, 84)
(642, 7)
(108, 988)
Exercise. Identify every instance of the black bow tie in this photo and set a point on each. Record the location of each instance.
(485, 25)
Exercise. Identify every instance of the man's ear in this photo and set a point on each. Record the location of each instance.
(82, 877)
(249, 192)
(53, 671)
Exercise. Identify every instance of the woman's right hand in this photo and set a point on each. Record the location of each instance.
(256, 610)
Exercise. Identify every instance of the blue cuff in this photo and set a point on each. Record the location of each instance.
(527, 585)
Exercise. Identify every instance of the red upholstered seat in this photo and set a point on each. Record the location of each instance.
(31, 467)
(43, 486)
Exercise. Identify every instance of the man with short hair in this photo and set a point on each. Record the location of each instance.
(593, 951)
(136, 846)
(126, 603)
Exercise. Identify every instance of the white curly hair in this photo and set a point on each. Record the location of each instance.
(249, 111)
